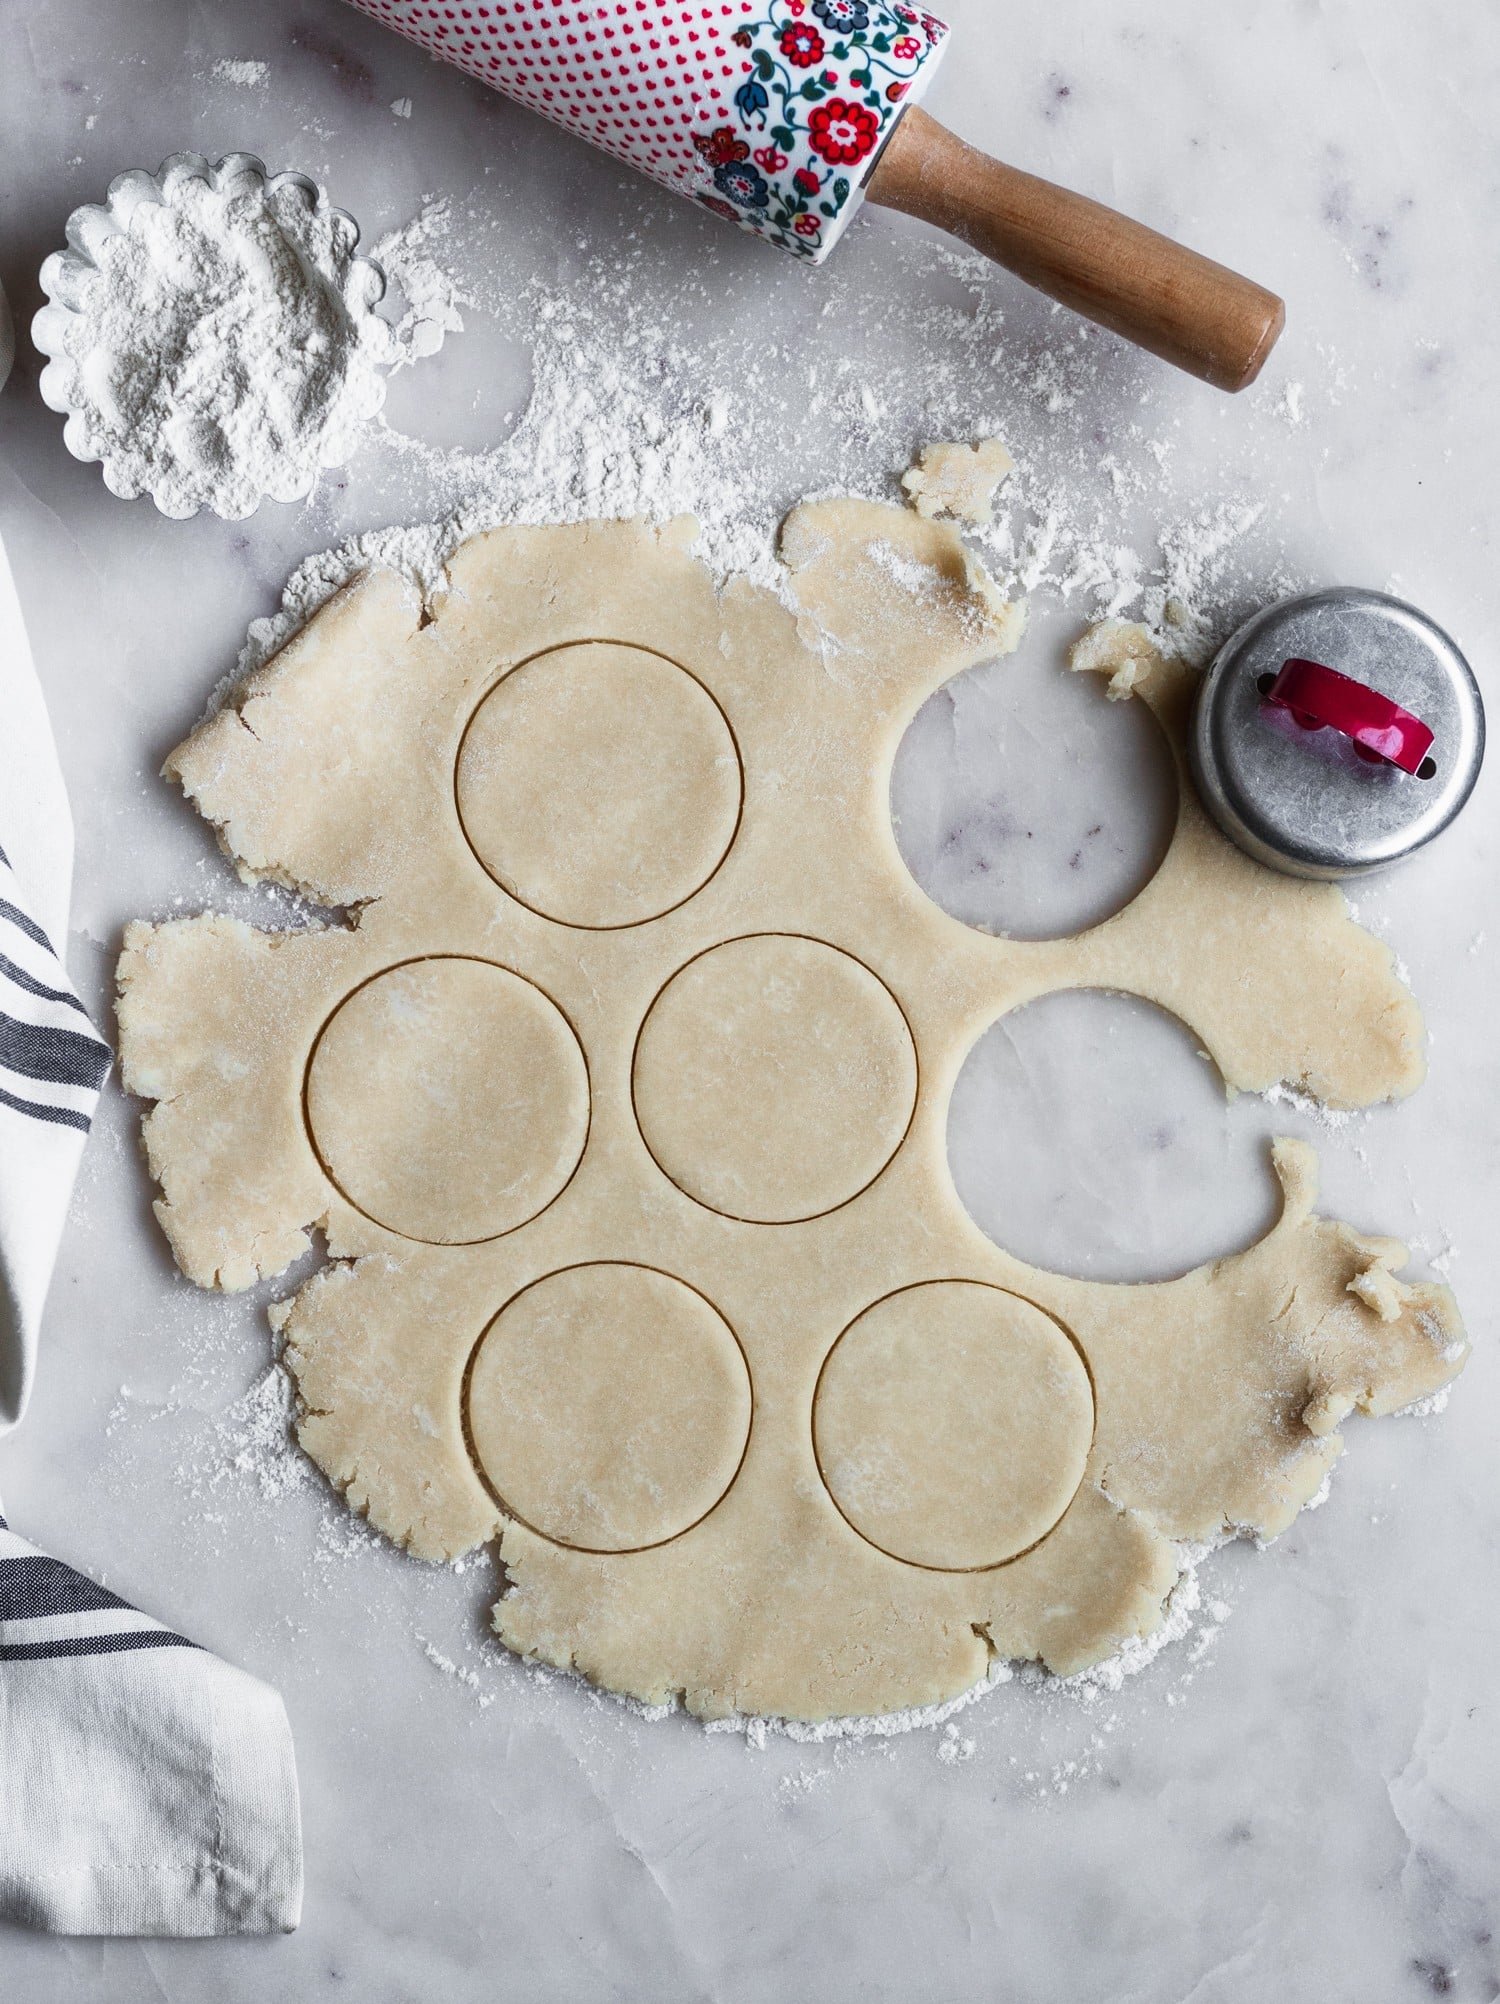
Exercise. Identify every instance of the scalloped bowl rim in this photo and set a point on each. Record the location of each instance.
(96, 220)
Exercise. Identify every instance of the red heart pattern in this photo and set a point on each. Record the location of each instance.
(561, 57)
(769, 112)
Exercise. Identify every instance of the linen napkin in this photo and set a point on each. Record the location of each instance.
(146, 1788)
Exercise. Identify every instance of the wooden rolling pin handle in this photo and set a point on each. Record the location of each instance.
(1187, 309)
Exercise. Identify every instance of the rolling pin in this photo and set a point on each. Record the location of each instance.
(783, 115)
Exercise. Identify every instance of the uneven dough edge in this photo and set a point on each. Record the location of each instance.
(1097, 1583)
(266, 834)
(381, 1410)
(1284, 984)
(236, 1199)
(907, 1658)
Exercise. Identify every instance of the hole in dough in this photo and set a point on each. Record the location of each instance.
(774, 1078)
(952, 1423)
(448, 1099)
(1089, 1135)
(608, 1407)
(599, 784)
(1025, 802)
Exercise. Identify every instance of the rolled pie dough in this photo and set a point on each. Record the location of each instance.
(622, 1101)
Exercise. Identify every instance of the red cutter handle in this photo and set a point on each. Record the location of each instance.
(1382, 731)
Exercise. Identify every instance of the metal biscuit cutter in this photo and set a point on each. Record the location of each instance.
(1334, 771)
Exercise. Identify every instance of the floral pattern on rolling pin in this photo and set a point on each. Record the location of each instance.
(826, 82)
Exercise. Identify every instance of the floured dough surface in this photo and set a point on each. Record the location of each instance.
(599, 785)
(448, 1099)
(774, 1078)
(953, 1423)
(614, 1405)
(959, 480)
(623, 1107)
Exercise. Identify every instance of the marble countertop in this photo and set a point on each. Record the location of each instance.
(1297, 1799)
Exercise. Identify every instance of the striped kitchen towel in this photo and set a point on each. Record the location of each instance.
(52, 1065)
(146, 1787)
(51, 1062)
(47, 1044)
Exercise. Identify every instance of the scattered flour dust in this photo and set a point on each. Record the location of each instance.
(410, 259)
(1335, 1119)
(620, 422)
(242, 71)
(255, 1435)
(597, 439)
(470, 1679)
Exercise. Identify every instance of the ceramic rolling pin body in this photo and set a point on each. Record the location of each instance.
(1191, 311)
(782, 115)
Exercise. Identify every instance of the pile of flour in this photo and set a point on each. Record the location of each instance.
(227, 347)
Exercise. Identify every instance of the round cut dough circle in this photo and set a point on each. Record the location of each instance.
(775, 1077)
(599, 784)
(448, 1099)
(608, 1407)
(952, 1423)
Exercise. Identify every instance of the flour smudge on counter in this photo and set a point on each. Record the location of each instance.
(242, 71)
(624, 418)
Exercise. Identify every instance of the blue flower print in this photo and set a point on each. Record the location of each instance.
(742, 183)
(842, 17)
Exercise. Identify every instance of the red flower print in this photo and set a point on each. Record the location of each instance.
(805, 181)
(720, 207)
(721, 147)
(807, 226)
(933, 28)
(743, 37)
(796, 6)
(842, 131)
(802, 45)
(770, 159)
(906, 46)
(896, 91)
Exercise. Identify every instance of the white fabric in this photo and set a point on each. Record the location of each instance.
(7, 339)
(38, 827)
(38, 1157)
(145, 1786)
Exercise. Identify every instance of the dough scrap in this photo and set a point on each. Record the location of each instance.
(959, 480)
(672, 1567)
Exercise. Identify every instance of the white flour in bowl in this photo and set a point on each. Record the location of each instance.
(226, 348)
